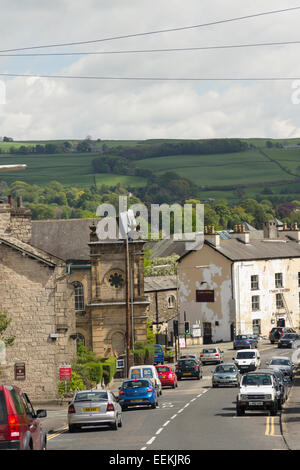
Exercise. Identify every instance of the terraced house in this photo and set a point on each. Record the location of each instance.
(249, 282)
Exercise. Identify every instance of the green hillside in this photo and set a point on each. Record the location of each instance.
(263, 168)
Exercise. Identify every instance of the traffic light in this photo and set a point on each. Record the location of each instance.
(175, 327)
(186, 327)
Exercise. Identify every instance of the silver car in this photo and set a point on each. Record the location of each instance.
(226, 374)
(284, 364)
(211, 355)
(94, 408)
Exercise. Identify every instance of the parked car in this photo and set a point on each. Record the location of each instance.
(20, 428)
(167, 376)
(137, 392)
(278, 331)
(94, 408)
(211, 355)
(289, 340)
(146, 372)
(279, 384)
(188, 368)
(283, 364)
(225, 374)
(247, 360)
(159, 357)
(245, 342)
(257, 392)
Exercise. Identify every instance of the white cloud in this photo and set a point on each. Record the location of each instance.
(53, 108)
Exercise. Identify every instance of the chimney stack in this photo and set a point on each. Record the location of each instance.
(239, 232)
(211, 236)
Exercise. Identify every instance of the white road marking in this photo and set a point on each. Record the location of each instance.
(159, 431)
(151, 440)
(166, 424)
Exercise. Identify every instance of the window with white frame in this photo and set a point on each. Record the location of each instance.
(256, 327)
(278, 280)
(254, 282)
(279, 301)
(79, 296)
(255, 303)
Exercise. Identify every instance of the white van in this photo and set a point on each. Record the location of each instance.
(147, 372)
(247, 360)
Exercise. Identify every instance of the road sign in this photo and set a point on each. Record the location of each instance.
(65, 373)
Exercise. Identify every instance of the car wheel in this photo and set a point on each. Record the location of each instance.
(240, 411)
(114, 426)
(273, 410)
(153, 406)
(174, 385)
(73, 427)
(198, 377)
(120, 423)
(124, 407)
(214, 386)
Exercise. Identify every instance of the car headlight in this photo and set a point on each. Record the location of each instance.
(268, 397)
(243, 397)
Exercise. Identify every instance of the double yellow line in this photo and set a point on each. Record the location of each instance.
(270, 427)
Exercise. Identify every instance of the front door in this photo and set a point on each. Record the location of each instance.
(207, 335)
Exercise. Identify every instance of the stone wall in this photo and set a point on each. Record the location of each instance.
(163, 305)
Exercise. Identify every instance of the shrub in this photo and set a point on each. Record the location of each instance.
(76, 383)
(109, 366)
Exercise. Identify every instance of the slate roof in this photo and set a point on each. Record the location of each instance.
(66, 239)
(258, 249)
(39, 255)
(157, 283)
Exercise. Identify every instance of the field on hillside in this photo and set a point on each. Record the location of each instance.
(67, 168)
(220, 169)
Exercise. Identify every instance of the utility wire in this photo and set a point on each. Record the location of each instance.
(142, 51)
(170, 79)
(183, 28)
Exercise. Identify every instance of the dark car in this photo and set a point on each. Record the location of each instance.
(186, 368)
(245, 342)
(289, 340)
(20, 428)
(277, 332)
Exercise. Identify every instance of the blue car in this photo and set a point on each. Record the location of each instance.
(158, 354)
(245, 342)
(137, 392)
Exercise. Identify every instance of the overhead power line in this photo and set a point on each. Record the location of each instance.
(170, 79)
(142, 51)
(148, 33)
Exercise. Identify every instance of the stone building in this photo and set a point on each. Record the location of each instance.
(36, 293)
(98, 273)
(161, 293)
(242, 284)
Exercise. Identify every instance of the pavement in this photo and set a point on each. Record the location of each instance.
(56, 420)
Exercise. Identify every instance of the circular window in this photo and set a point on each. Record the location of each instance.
(115, 279)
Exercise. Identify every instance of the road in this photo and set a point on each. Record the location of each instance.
(192, 417)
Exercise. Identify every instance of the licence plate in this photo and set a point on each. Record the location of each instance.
(86, 410)
(256, 403)
(187, 373)
(163, 376)
(136, 401)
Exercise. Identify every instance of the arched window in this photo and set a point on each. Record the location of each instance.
(171, 301)
(80, 339)
(79, 296)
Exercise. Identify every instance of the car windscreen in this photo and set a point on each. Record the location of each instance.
(241, 337)
(245, 355)
(259, 379)
(187, 363)
(280, 362)
(135, 384)
(289, 336)
(163, 369)
(209, 351)
(3, 412)
(225, 368)
(91, 396)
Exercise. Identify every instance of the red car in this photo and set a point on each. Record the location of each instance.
(167, 376)
(20, 428)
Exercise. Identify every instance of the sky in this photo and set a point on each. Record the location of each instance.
(36, 108)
